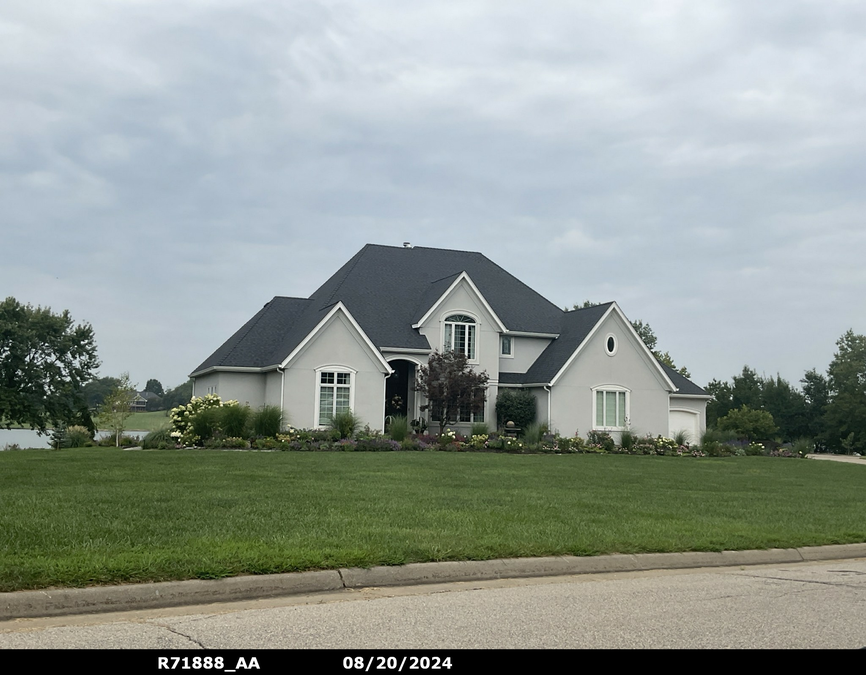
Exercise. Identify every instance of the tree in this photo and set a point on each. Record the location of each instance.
(816, 390)
(95, 391)
(155, 387)
(721, 404)
(753, 425)
(846, 411)
(180, 395)
(452, 388)
(787, 406)
(115, 409)
(44, 361)
(515, 405)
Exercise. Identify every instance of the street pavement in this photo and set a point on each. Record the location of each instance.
(818, 604)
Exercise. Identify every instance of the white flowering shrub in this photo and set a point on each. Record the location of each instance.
(184, 416)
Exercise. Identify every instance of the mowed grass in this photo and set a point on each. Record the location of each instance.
(100, 516)
(147, 421)
(139, 421)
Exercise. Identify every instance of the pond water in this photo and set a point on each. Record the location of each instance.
(28, 438)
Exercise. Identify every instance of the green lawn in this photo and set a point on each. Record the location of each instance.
(101, 515)
(148, 421)
(140, 421)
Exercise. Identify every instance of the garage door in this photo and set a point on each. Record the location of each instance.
(688, 421)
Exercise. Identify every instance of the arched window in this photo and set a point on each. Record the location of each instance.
(460, 335)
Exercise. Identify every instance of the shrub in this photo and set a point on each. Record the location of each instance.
(78, 437)
(376, 445)
(533, 433)
(600, 439)
(230, 443)
(160, 437)
(345, 423)
(802, 446)
(398, 430)
(754, 449)
(682, 437)
(627, 440)
(206, 424)
(411, 445)
(234, 420)
(267, 421)
(183, 417)
(480, 429)
(515, 405)
(753, 425)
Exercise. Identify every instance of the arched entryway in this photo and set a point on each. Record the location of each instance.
(400, 394)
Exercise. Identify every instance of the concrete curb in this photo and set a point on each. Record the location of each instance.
(59, 602)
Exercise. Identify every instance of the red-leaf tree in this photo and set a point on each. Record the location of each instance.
(451, 387)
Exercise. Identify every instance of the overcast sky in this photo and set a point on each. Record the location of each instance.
(167, 167)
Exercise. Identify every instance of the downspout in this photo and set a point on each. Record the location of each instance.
(282, 391)
(549, 396)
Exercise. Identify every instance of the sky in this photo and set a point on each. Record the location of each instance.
(167, 167)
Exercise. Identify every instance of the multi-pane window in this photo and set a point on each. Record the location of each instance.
(335, 390)
(460, 334)
(505, 348)
(610, 409)
(462, 415)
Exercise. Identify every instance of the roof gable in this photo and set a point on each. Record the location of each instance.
(464, 278)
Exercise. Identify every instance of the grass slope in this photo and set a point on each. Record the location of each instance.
(139, 421)
(96, 516)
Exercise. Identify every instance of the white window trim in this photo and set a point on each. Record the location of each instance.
(477, 331)
(614, 388)
(332, 369)
(615, 344)
(506, 356)
(473, 417)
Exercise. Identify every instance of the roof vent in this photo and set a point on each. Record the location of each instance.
(407, 244)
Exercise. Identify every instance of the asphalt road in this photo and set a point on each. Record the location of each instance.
(802, 605)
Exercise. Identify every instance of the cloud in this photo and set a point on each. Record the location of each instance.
(701, 163)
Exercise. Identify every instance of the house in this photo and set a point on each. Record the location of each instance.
(358, 340)
(138, 402)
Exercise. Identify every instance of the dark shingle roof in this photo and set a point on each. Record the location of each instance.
(261, 340)
(683, 384)
(573, 329)
(387, 289)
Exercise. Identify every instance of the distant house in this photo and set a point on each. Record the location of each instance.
(137, 402)
(140, 399)
(357, 341)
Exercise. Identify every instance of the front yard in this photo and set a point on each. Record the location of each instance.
(100, 516)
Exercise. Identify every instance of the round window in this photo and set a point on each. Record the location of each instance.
(610, 345)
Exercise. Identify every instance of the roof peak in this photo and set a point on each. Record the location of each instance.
(425, 248)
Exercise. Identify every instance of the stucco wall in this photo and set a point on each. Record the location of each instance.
(337, 344)
(463, 300)
(526, 351)
(629, 367)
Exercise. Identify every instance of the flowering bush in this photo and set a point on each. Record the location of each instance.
(479, 441)
(183, 417)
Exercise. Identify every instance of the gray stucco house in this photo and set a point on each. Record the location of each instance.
(356, 342)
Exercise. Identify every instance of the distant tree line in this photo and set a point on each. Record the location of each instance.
(829, 409)
(96, 391)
